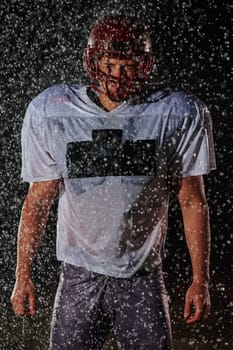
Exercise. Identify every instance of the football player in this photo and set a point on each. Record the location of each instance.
(115, 150)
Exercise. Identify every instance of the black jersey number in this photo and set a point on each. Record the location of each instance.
(108, 155)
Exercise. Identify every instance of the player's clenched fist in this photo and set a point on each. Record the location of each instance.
(23, 298)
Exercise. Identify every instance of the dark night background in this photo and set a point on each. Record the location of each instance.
(41, 44)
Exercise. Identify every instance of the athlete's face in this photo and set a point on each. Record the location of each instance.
(119, 73)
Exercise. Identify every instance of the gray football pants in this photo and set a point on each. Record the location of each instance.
(88, 304)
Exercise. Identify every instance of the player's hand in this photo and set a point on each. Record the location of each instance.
(23, 298)
(197, 303)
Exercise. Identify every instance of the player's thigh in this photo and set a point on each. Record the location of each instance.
(78, 320)
(142, 318)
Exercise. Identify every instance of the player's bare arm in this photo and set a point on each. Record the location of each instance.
(33, 221)
(194, 208)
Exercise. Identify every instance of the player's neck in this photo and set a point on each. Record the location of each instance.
(108, 104)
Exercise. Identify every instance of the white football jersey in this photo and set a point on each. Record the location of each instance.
(115, 166)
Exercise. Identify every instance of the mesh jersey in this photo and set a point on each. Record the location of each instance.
(113, 200)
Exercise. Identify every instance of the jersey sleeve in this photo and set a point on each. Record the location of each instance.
(38, 158)
(190, 146)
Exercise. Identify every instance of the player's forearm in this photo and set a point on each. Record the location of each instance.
(197, 232)
(31, 230)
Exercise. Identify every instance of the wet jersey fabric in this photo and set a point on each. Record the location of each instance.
(115, 167)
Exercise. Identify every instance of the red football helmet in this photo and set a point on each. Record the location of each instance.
(122, 38)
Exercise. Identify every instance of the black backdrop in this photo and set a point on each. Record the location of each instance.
(41, 44)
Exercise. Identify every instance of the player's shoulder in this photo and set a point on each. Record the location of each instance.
(51, 102)
(186, 111)
(192, 110)
(175, 106)
(179, 102)
(152, 94)
(37, 109)
(50, 94)
(186, 99)
(170, 95)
